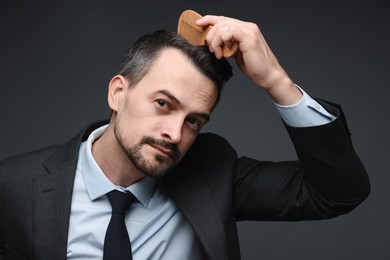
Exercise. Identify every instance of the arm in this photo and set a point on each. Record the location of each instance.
(2, 256)
(328, 180)
(254, 57)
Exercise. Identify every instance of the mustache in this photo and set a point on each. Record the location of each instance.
(162, 143)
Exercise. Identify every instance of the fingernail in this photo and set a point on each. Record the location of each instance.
(199, 20)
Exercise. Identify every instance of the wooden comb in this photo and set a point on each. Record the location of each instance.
(196, 35)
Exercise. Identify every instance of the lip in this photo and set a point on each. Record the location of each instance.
(163, 150)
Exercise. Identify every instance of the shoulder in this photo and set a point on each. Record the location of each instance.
(54, 156)
(212, 140)
(210, 145)
(210, 157)
(25, 162)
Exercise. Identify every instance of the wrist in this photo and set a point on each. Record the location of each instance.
(284, 92)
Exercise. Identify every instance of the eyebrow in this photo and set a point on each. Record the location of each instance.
(173, 99)
(167, 94)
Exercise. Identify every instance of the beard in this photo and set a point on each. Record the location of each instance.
(156, 167)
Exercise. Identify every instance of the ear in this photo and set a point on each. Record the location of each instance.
(116, 89)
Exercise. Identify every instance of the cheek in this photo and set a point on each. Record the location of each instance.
(140, 118)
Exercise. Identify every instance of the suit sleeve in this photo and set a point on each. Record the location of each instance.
(327, 180)
(2, 257)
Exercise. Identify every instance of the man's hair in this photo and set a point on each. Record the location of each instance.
(140, 57)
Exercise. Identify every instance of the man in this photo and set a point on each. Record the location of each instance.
(190, 188)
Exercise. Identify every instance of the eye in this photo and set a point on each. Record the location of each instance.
(162, 104)
(194, 123)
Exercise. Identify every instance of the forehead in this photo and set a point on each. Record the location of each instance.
(174, 71)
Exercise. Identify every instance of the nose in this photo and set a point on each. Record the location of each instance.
(172, 130)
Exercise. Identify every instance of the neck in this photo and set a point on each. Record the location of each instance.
(113, 161)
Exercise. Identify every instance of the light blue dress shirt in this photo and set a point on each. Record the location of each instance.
(156, 227)
(307, 112)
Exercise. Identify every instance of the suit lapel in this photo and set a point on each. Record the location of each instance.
(52, 197)
(194, 199)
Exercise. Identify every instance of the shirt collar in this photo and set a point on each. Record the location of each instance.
(96, 182)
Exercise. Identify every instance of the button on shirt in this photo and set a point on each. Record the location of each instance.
(156, 227)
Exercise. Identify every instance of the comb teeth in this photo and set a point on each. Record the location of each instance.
(198, 28)
(188, 29)
(196, 35)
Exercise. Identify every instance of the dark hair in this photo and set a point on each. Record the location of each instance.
(141, 55)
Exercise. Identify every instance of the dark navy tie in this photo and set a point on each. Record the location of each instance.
(117, 242)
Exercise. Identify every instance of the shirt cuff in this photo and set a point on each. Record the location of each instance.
(307, 112)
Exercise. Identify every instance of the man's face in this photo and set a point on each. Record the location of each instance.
(158, 119)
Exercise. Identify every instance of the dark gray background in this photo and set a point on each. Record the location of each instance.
(56, 59)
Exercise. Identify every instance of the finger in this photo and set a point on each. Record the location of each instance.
(221, 37)
(207, 20)
(214, 42)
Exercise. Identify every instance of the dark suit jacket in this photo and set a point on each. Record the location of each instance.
(211, 186)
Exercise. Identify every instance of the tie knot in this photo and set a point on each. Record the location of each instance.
(120, 201)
